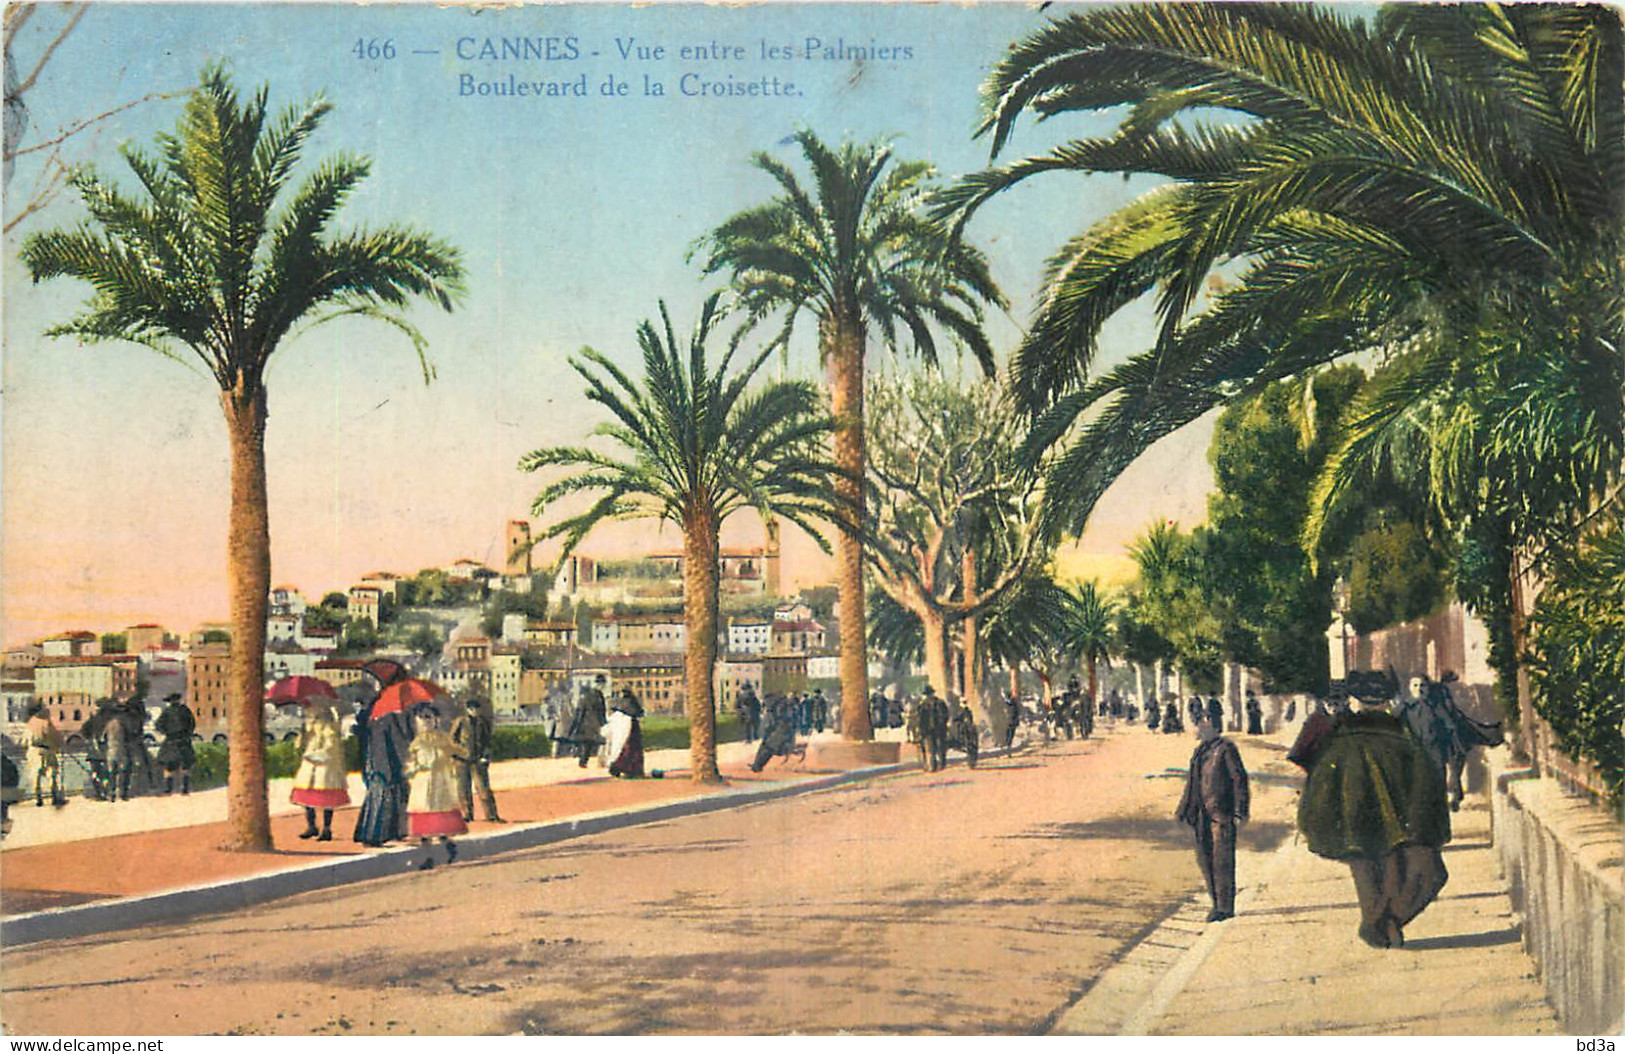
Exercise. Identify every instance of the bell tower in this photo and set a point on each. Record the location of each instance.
(517, 561)
(770, 557)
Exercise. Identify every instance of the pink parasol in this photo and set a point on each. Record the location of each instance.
(306, 691)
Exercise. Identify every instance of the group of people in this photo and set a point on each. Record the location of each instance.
(1378, 797)
(422, 767)
(809, 711)
(600, 726)
(1169, 720)
(934, 725)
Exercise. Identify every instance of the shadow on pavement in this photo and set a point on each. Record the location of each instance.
(1465, 940)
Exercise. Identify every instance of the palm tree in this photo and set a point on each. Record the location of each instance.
(1029, 628)
(204, 262)
(1387, 179)
(695, 447)
(859, 255)
(1091, 630)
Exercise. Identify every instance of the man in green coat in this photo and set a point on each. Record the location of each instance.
(1376, 800)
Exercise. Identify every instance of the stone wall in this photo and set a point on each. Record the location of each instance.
(1562, 856)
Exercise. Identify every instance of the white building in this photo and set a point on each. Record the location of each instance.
(825, 666)
(282, 625)
(606, 635)
(289, 600)
(284, 658)
(505, 671)
(751, 636)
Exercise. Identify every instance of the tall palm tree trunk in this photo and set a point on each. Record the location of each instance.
(248, 816)
(700, 653)
(845, 356)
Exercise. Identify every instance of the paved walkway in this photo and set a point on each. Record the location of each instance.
(91, 851)
(1462, 971)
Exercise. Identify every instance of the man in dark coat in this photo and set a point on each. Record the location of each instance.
(966, 735)
(1374, 799)
(1215, 712)
(176, 724)
(1172, 724)
(820, 709)
(587, 726)
(1012, 717)
(472, 731)
(1216, 799)
(750, 713)
(939, 719)
(778, 733)
(1255, 715)
(1153, 714)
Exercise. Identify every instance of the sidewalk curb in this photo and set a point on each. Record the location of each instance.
(106, 916)
(1099, 1010)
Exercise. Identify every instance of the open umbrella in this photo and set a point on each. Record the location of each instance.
(403, 694)
(306, 691)
(388, 671)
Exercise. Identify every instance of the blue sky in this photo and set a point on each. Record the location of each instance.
(575, 216)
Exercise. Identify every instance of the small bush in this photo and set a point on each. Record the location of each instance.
(520, 741)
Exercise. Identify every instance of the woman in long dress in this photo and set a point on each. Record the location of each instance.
(434, 808)
(320, 781)
(385, 741)
(625, 733)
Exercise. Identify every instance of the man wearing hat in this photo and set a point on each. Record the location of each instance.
(587, 727)
(471, 732)
(176, 724)
(1215, 800)
(934, 728)
(44, 754)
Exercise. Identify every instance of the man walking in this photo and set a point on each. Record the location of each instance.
(820, 709)
(750, 713)
(1012, 717)
(472, 732)
(44, 754)
(176, 756)
(587, 727)
(1216, 800)
(937, 715)
(966, 734)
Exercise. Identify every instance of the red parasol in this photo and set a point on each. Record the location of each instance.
(388, 671)
(402, 694)
(306, 691)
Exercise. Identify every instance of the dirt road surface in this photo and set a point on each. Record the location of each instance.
(955, 902)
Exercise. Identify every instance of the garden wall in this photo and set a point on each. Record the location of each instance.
(1562, 856)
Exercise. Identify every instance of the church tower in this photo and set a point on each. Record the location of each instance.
(770, 557)
(518, 551)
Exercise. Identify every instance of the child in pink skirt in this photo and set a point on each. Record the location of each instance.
(320, 782)
(433, 809)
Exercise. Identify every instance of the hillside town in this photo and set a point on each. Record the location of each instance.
(520, 637)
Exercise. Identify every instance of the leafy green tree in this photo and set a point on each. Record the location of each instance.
(1090, 633)
(1170, 596)
(953, 523)
(216, 636)
(1577, 660)
(360, 636)
(425, 641)
(693, 446)
(1396, 575)
(324, 618)
(336, 601)
(114, 643)
(857, 253)
(1030, 627)
(212, 261)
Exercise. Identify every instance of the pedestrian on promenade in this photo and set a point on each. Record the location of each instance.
(877, 710)
(939, 716)
(1375, 800)
(1214, 712)
(176, 723)
(1171, 722)
(117, 732)
(1012, 717)
(917, 730)
(587, 726)
(820, 709)
(11, 786)
(44, 754)
(778, 733)
(625, 734)
(1153, 714)
(471, 733)
(432, 808)
(385, 742)
(1196, 710)
(1215, 801)
(966, 735)
(750, 713)
(1444, 731)
(1255, 715)
(320, 781)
